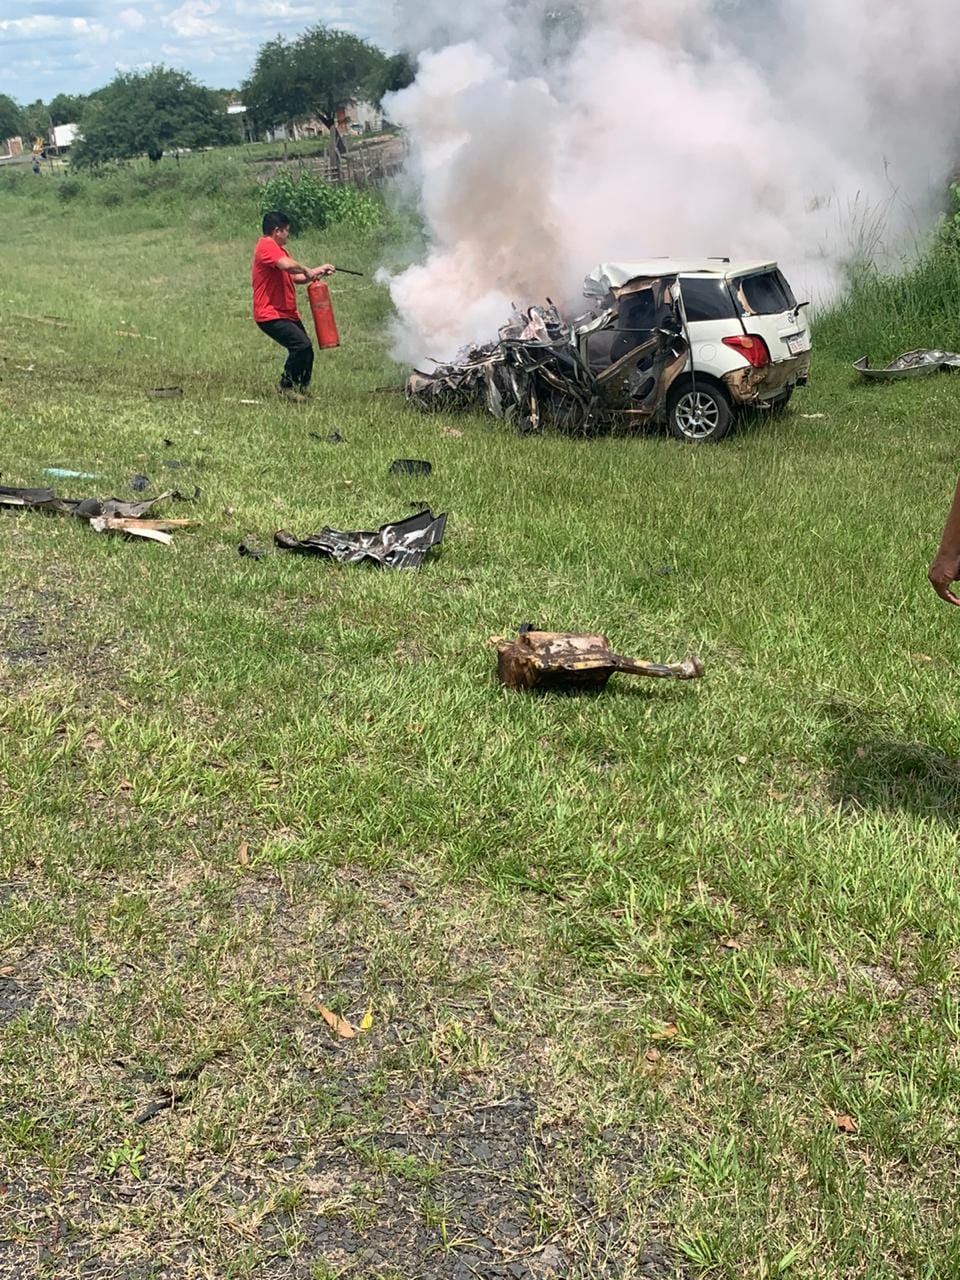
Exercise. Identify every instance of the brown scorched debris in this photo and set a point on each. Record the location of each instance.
(564, 661)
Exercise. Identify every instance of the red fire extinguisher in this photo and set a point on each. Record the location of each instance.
(318, 294)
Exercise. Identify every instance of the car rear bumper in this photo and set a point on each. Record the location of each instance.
(752, 386)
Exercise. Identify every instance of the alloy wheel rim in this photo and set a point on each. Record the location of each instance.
(698, 415)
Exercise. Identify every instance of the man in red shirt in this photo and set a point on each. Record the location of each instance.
(274, 276)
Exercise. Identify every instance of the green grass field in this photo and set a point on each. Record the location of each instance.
(663, 982)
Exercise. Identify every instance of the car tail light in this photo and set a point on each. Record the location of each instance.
(751, 347)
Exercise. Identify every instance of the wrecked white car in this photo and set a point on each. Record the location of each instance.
(685, 341)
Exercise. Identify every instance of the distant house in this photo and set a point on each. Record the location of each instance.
(10, 147)
(358, 117)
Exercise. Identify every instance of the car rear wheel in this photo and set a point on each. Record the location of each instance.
(779, 403)
(699, 412)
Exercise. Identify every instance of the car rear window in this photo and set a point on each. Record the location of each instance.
(707, 299)
(766, 294)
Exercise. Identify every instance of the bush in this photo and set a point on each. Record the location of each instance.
(69, 189)
(311, 203)
(884, 313)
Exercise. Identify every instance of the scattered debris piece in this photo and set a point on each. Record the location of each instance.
(560, 660)
(62, 473)
(402, 544)
(25, 368)
(366, 1022)
(410, 467)
(169, 444)
(251, 551)
(173, 463)
(154, 530)
(912, 364)
(89, 508)
(26, 497)
(102, 524)
(334, 1021)
(813, 417)
(154, 1108)
(53, 320)
(845, 1123)
(165, 393)
(249, 402)
(653, 1055)
(105, 515)
(243, 855)
(133, 333)
(333, 438)
(669, 1032)
(139, 483)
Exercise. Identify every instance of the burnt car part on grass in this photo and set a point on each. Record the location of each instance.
(104, 515)
(567, 661)
(401, 544)
(632, 357)
(912, 364)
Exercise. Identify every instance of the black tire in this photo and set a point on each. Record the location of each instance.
(699, 412)
(779, 403)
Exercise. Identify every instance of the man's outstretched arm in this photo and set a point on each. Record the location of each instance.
(945, 570)
(303, 275)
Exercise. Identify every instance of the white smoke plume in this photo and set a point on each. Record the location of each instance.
(544, 142)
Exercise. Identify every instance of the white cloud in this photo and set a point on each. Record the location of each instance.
(192, 20)
(131, 18)
(282, 9)
(46, 24)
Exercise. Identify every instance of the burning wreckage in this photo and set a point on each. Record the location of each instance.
(630, 357)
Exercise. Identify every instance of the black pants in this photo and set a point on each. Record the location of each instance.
(292, 335)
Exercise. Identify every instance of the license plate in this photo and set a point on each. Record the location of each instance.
(797, 343)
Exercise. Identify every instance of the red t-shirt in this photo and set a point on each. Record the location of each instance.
(274, 293)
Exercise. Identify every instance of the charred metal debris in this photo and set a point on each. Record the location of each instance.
(912, 364)
(619, 359)
(104, 515)
(402, 544)
(563, 661)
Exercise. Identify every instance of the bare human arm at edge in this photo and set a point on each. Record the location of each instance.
(303, 275)
(945, 569)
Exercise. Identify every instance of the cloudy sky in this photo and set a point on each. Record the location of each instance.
(74, 46)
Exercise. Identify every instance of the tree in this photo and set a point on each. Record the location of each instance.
(391, 76)
(334, 68)
(319, 74)
(66, 108)
(36, 120)
(12, 123)
(274, 94)
(150, 113)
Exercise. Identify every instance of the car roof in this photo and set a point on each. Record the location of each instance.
(614, 275)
